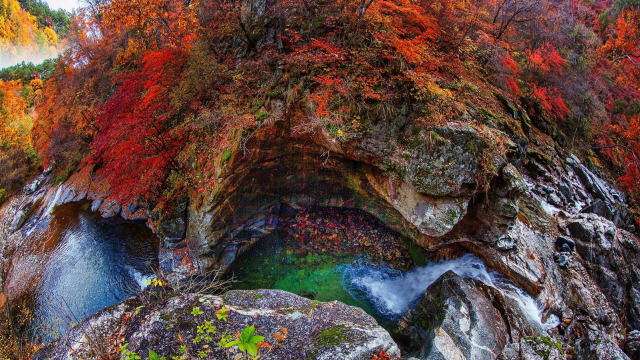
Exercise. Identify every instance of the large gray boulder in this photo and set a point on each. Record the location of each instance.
(314, 330)
(456, 319)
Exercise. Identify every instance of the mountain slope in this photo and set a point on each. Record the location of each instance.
(22, 37)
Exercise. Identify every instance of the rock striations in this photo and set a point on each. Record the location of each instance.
(545, 221)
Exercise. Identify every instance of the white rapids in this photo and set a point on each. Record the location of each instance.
(393, 292)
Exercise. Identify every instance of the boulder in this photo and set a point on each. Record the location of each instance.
(601, 208)
(33, 186)
(501, 207)
(96, 204)
(294, 327)
(566, 191)
(455, 319)
(565, 244)
(561, 259)
(18, 220)
(598, 187)
(430, 215)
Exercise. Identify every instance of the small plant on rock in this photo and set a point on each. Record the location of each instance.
(196, 311)
(247, 342)
(128, 354)
(222, 313)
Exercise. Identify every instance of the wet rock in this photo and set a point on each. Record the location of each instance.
(565, 191)
(314, 330)
(555, 200)
(597, 186)
(526, 264)
(565, 244)
(506, 243)
(599, 207)
(33, 186)
(561, 259)
(611, 256)
(18, 220)
(455, 319)
(582, 230)
(600, 197)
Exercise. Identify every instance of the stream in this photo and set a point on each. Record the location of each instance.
(303, 256)
(392, 292)
(322, 254)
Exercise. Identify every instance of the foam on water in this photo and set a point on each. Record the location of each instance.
(54, 201)
(141, 278)
(393, 292)
(529, 306)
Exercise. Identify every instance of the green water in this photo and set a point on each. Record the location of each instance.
(313, 253)
(276, 262)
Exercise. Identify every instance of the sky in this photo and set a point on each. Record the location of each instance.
(64, 4)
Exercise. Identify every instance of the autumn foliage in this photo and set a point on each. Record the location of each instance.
(21, 35)
(17, 156)
(138, 135)
(621, 140)
(154, 95)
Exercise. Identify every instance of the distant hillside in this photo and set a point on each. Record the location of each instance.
(24, 36)
(29, 33)
(59, 20)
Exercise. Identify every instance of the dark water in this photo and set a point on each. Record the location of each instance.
(95, 263)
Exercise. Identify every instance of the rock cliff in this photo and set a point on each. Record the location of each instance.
(535, 214)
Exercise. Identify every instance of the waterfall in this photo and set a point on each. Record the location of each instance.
(393, 292)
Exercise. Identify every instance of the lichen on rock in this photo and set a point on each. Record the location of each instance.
(313, 330)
